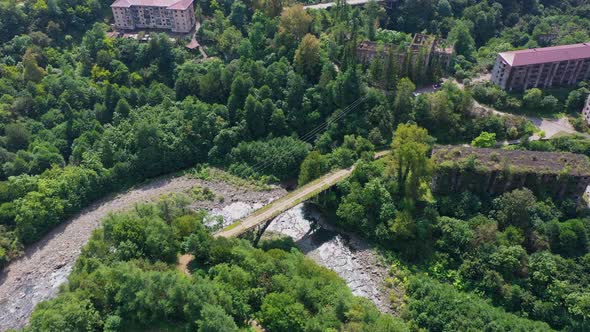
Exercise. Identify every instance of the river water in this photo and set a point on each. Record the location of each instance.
(36, 276)
(347, 255)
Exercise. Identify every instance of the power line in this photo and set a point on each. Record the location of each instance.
(310, 135)
(258, 167)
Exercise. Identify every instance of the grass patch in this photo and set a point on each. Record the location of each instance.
(199, 193)
(207, 173)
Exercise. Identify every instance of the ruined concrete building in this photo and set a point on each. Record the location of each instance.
(434, 49)
(493, 171)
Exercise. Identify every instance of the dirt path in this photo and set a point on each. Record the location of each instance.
(331, 4)
(183, 261)
(36, 276)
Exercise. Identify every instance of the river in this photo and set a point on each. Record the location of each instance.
(346, 254)
(37, 275)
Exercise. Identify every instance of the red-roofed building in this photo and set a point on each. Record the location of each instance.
(175, 15)
(542, 67)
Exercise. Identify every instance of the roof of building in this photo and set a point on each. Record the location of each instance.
(547, 54)
(169, 4)
(521, 161)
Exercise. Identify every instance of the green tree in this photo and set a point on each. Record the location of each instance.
(281, 312)
(444, 8)
(70, 312)
(514, 208)
(576, 100)
(229, 42)
(215, 319)
(413, 167)
(122, 109)
(255, 117)
(484, 140)
(404, 100)
(533, 99)
(278, 122)
(240, 88)
(455, 236)
(295, 21)
(239, 14)
(312, 167)
(17, 136)
(32, 71)
(307, 57)
(461, 36)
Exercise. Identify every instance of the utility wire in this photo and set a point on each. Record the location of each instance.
(258, 167)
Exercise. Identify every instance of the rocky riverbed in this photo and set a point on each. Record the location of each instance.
(45, 266)
(36, 276)
(346, 254)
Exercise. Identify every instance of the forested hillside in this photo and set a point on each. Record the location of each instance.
(284, 96)
(126, 280)
(84, 115)
(526, 253)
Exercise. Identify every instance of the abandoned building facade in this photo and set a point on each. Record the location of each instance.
(434, 49)
(542, 67)
(174, 15)
(493, 171)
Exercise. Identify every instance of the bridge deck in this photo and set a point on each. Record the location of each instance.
(288, 201)
(284, 203)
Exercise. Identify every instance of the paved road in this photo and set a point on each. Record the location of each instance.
(551, 127)
(331, 4)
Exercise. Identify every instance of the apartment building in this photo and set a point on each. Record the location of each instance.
(542, 67)
(175, 15)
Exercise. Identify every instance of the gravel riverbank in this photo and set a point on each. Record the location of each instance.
(36, 276)
(346, 254)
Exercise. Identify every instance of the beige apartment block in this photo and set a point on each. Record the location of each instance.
(542, 67)
(174, 15)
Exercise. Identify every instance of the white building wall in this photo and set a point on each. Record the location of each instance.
(154, 18)
(586, 111)
(501, 72)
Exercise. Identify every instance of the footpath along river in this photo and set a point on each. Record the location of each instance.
(37, 275)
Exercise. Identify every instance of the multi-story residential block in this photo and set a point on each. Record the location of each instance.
(542, 67)
(586, 111)
(174, 15)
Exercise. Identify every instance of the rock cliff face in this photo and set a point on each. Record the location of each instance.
(494, 171)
